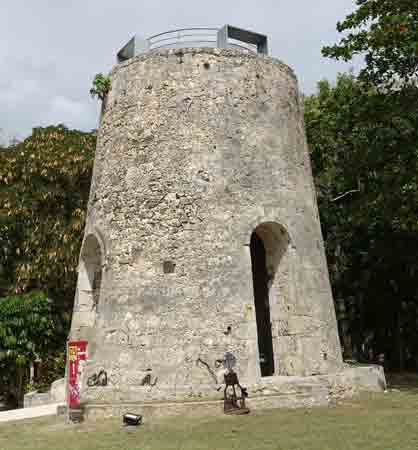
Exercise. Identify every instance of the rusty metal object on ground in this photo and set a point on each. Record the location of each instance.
(233, 403)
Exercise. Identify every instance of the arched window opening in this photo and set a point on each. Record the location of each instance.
(90, 274)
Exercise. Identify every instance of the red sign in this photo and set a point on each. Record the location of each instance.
(77, 355)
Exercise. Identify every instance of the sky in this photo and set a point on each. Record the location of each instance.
(50, 50)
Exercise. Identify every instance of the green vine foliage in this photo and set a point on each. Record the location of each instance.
(101, 86)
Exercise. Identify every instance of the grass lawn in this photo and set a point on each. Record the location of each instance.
(386, 421)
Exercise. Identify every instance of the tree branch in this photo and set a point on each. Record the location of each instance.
(345, 195)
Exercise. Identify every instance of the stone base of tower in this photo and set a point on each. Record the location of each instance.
(271, 392)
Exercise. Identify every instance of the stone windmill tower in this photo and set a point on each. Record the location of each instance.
(202, 232)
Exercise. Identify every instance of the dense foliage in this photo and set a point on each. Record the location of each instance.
(385, 32)
(44, 188)
(27, 333)
(50, 369)
(364, 151)
(364, 140)
(26, 327)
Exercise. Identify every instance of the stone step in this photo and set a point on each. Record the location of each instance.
(29, 413)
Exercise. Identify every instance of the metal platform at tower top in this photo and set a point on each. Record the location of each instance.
(226, 37)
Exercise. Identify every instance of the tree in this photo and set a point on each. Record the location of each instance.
(386, 33)
(364, 154)
(27, 332)
(101, 86)
(44, 188)
(377, 131)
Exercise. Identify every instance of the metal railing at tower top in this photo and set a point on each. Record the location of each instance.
(184, 37)
(225, 37)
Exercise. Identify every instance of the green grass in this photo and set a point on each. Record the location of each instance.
(386, 421)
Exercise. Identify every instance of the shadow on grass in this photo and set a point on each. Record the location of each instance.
(404, 382)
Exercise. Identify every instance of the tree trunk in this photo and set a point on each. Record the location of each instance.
(19, 387)
(400, 343)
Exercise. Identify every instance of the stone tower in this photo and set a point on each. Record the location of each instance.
(202, 233)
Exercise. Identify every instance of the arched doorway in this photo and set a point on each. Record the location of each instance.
(268, 243)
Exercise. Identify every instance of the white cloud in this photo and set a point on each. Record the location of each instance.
(17, 91)
(73, 113)
(50, 51)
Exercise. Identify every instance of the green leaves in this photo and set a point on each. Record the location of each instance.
(385, 32)
(101, 86)
(44, 188)
(27, 332)
(365, 140)
(364, 151)
(26, 326)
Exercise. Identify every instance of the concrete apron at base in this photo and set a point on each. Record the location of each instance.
(204, 408)
(29, 413)
(291, 392)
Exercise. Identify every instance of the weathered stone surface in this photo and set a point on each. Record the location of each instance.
(354, 379)
(58, 391)
(35, 398)
(198, 149)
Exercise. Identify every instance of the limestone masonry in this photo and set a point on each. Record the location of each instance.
(203, 237)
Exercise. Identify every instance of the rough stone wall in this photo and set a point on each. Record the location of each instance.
(196, 149)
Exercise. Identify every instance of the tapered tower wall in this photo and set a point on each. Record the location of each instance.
(198, 149)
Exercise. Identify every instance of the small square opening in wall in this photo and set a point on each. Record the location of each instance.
(169, 267)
